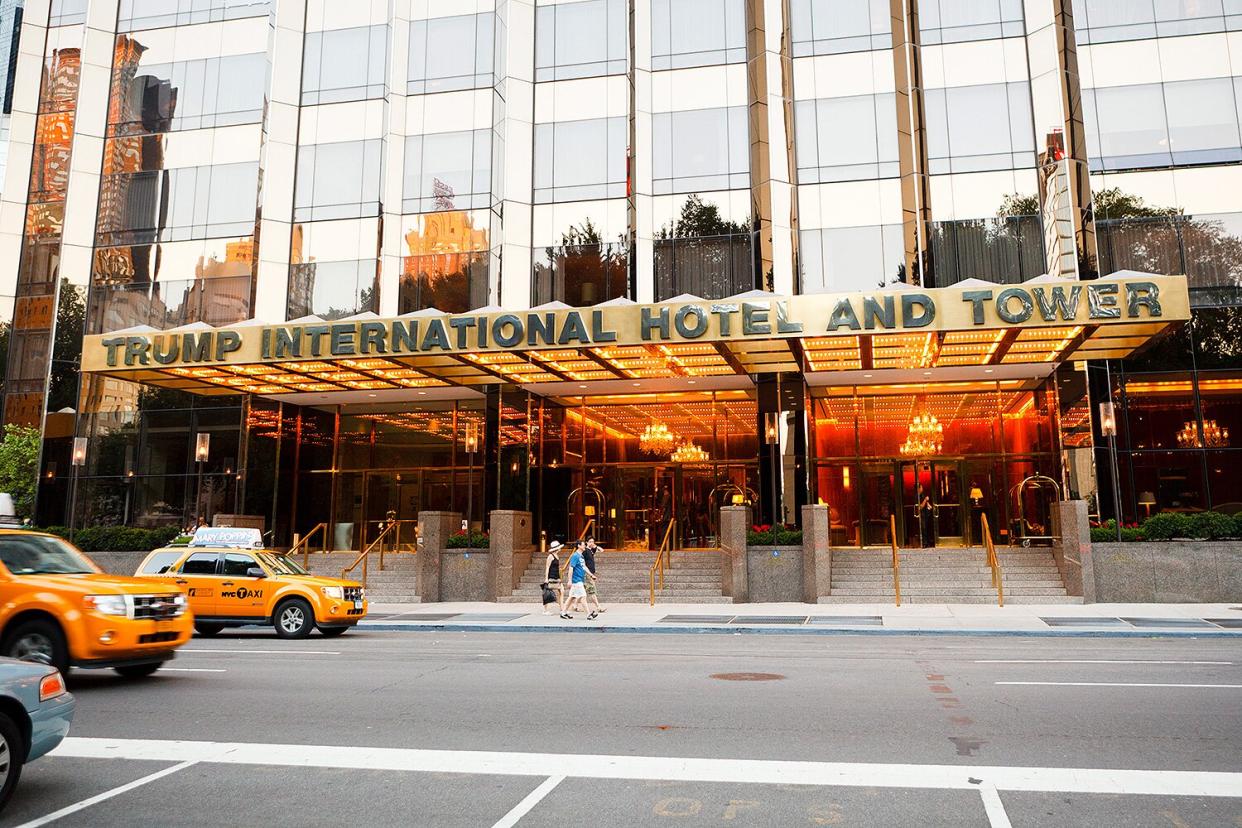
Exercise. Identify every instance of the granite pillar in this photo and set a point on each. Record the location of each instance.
(734, 523)
(435, 528)
(511, 550)
(816, 553)
(1073, 552)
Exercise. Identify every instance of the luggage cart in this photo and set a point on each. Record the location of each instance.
(1022, 531)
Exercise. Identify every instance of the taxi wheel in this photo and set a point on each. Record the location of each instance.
(207, 630)
(333, 632)
(12, 754)
(294, 619)
(139, 670)
(37, 640)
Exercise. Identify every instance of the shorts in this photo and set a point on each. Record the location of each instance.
(577, 591)
(590, 588)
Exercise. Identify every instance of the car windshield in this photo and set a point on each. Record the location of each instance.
(282, 565)
(42, 555)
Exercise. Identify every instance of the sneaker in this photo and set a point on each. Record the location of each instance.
(592, 616)
(567, 616)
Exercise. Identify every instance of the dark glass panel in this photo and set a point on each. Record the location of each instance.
(712, 267)
(581, 274)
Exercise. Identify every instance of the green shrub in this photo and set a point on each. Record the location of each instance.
(1107, 533)
(468, 540)
(117, 538)
(1237, 525)
(1167, 525)
(773, 536)
(1210, 525)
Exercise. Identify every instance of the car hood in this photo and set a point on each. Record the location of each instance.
(97, 583)
(317, 581)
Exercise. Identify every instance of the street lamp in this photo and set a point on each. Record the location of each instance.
(772, 437)
(472, 446)
(1108, 428)
(202, 447)
(78, 459)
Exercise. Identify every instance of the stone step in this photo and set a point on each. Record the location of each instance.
(633, 598)
(957, 577)
(947, 589)
(951, 599)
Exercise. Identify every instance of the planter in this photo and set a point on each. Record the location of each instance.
(1173, 571)
(774, 573)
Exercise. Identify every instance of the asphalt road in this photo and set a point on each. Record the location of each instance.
(546, 729)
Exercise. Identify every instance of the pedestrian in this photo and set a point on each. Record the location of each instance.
(551, 586)
(578, 576)
(588, 555)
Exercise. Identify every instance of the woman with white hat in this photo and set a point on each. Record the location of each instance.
(551, 585)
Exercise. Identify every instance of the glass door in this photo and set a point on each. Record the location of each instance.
(880, 493)
(947, 507)
(932, 504)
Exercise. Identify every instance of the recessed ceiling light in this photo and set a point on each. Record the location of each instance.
(422, 393)
(866, 376)
(927, 373)
(987, 370)
(637, 384)
(370, 395)
(582, 385)
(691, 382)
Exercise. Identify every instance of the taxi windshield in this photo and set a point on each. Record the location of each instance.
(42, 555)
(282, 565)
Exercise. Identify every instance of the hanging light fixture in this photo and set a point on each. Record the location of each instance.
(688, 452)
(925, 437)
(1213, 435)
(657, 439)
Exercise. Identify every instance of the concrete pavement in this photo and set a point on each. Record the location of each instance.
(459, 728)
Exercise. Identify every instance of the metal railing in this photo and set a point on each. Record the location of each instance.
(586, 529)
(892, 537)
(365, 555)
(993, 561)
(662, 559)
(304, 543)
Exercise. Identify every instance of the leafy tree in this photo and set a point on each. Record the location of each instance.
(700, 218)
(19, 467)
(67, 347)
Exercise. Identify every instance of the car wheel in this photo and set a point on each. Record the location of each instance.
(38, 640)
(207, 630)
(139, 670)
(333, 632)
(12, 755)
(294, 619)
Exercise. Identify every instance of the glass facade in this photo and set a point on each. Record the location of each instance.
(420, 158)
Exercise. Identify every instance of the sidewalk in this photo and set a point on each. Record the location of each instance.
(1102, 620)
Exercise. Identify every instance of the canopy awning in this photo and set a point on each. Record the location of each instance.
(971, 324)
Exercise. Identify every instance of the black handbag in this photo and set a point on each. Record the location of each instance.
(549, 597)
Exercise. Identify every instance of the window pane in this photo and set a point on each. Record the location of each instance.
(985, 127)
(344, 65)
(448, 53)
(447, 171)
(339, 180)
(200, 563)
(701, 150)
(578, 160)
(580, 39)
(826, 28)
(236, 564)
(1203, 122)
(697, 33)
(1131, 124)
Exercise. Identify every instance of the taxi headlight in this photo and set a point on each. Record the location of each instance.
(335, 592)
(106, 604)
(180, 604)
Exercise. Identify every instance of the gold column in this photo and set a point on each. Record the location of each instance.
(1065, 185)
(916, 212)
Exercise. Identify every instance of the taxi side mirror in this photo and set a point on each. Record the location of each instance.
(256, 572)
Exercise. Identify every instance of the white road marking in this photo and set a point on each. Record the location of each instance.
(590, 766)
(260, 652)
(86, 803)
(1117, 684)
(1091, 661)
(192, 670)
(532, 799)
(994, 808)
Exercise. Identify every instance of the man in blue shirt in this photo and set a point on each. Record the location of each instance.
(578, 576)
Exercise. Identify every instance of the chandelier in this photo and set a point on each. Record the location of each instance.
(657, 439)
(688, 452)
(1213, 435)
(925, 437)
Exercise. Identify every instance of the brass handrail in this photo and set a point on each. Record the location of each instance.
(661, 560)
(304, 542)
(993, 560)
(892, 536)
(587, 528)
(365, 554)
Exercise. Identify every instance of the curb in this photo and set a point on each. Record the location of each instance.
(690, 629)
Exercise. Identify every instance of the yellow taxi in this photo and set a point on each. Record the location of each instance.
(232, 581)
(57, 607)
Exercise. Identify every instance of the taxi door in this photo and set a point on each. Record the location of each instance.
(241, 594)
(198, 577)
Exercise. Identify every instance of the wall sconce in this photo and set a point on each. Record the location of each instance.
(472, 437)
(1108, 420)
(771, 431)
(976, 494)
(845, 477)
(79, 451)
(202, 446)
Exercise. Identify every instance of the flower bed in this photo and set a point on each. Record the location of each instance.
(468, 540)
(1170, 525)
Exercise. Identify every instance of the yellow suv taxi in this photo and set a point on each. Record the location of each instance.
(57, 607)
(232, 581)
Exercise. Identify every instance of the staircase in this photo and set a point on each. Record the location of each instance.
(692, 578)
(396, 583)
(945, 576)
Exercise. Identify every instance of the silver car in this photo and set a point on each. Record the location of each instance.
(35, 712)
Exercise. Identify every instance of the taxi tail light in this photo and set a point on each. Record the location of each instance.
(51, 686)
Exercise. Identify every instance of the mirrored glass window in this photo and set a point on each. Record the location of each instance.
(829, 27)
(451, 282)
(585, 270)
(449, 53)
(955, 21)
(1005, 250)
(156, 14)
(700, 150)
(171, 304)
(688, 33)
(447, 171)
(67, 12)
(850, 258)
(194, 94)
(582, 39)
(579, 160)
(984, 127)
(344, 65)
(183, 203)
(333, 290)
(846, 139)
(340, 180)
(1104, 21)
